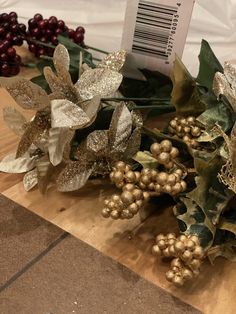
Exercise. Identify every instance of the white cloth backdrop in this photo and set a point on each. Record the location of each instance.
(213, 20)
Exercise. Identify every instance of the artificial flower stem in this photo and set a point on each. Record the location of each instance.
(34, 41)
(96, 49)
(153, 107)
(136, 99)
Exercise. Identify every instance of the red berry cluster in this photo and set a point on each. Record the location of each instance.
(46, 31)
(11, 33)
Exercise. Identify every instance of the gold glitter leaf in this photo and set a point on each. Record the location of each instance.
(61, 88)
(65, 114)
(74, 176)
(103, 82)
(133, 144)
(35, 129)
(58, 138)
(97, 142)
(61, 60)
(114, 61)
(221, 86)
(27, 94)
(15, 120)
(44, 172)
(11, 164)
(120, 128)
(30, 180)
(91, 106)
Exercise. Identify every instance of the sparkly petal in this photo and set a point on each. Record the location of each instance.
(114, 61)
(120, 128)
(133, 144)
(61, 89)
(58, 138)
(35, 129)
(61, 59)
(91, 106)
(65, 114)
(103, 82)
(41, 141)
(30, 180)
(230, 74)
(97, 142)
(137, 119)
(74, 176)
(12, 165)
(221, 86)
(15, 120)
(27, 94)
(44, 172)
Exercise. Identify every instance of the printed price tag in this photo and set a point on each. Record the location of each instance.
(156, 30)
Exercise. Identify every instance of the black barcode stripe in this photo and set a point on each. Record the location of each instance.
(152, 28)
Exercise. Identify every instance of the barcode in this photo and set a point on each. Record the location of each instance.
(153, 29)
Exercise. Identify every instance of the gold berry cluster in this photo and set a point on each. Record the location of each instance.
(126, 205)
(187, 252)
(186, 128)
(165, 153)
(137, 185)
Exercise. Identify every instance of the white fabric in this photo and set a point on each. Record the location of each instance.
(213, 20)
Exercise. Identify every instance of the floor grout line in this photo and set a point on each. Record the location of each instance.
(33, 261)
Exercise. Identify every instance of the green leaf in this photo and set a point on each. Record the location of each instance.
(209, 65)
(185, 95)
(146, 160)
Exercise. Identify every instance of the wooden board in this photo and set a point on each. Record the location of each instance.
(126, 241)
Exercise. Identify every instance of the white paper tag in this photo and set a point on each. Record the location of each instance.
(154, 31)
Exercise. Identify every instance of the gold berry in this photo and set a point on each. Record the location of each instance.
(156, 250)
(106, 212)
(127, 197)
(162, 178)
(120, 165)
(133, 208)
(115, 214)
(166, 146)
(164, 158)
(155, 149)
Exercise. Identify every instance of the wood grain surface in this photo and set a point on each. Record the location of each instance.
(129, 241)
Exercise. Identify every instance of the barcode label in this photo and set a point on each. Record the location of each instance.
(156, 30)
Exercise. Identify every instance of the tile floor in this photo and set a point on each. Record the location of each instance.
(44, 270)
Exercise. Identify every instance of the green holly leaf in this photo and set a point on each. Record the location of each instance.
(185, 94)
(209, 65)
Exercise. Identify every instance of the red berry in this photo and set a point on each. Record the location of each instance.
(5, 70)
(79, 37)
(17, 40)
(43, 39)
(58, 31)
(71, 33)
(61, 24)
(22, 28)
(49, 33)
(42, 24)
(52, 23)
(17, 59)
(32, 23)
(54, 40)
(11, 52)
(32, 48)
(3, 57)
(13, 14)
(41, 52)
(14, 70)
(38, 17)
(6, 25)
(14, 28)
(36, 32)
(80, 29)
(5, 17)
(2, 32)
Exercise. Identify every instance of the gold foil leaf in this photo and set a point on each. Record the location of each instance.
(74, 176)
(40, 122)
(114, 61)
(27, 94)
(11, 164)
(58, 138)
(61, 88)
(65, 114)
(97, 142)
(30, 180)
(221, 86)
(146, 160)
(44, 171)
(103, 82)
(120, 128)
(15, 120)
